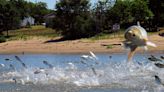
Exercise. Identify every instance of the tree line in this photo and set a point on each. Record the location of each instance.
(78, 18)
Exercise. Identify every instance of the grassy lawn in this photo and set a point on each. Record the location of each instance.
(119, 34)
(41, 31)
(28, 33)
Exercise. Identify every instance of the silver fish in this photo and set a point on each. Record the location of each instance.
(136, 36)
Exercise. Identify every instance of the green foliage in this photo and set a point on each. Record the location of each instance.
(9, 15)
(120, 12)
(99, 13)
(140, 10)
(38, 11)
(109, 46)
(129, 11)
(157, 7)
(21, 7)
(73, 19)
(2, 39)
(77, 19)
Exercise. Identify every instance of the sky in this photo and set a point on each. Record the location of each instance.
(51, 3)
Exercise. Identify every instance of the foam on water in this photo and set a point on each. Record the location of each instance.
(121, 74)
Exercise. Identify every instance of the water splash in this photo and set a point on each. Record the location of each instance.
(138, 75)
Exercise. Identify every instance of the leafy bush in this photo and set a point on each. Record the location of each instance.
(2, 38)
(109, 46)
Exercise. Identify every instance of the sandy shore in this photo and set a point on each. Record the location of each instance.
(38, 45)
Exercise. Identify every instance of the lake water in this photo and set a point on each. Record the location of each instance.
(72, 73)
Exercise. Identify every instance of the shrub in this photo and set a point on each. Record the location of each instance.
(2, 38)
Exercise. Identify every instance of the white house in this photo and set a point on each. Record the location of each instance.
(27, 21)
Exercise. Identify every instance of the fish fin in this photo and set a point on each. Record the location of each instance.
(151, 44)
(131, 53)
(145, 48)
(138, 23)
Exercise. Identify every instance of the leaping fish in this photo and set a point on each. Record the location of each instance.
(91, 56)
(22, 63)
(136, 36)
(48, 64)
(158, 80)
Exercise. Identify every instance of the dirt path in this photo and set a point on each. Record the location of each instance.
(38, 45)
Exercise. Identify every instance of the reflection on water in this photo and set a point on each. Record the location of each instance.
(73, 73)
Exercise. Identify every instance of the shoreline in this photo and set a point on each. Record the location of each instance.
(104, 51)
(38, 46)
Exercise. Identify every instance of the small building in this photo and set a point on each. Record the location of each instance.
(49, 19)
(27, 21)
(116, 27)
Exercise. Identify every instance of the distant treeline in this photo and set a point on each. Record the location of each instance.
(13, 11)
(78, 18)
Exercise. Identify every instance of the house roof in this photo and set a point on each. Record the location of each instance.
(50, 15)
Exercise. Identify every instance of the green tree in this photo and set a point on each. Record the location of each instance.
(21, 6)
(140, 10)
(99, 13)
(157, 7)
(126, 12)
(73, 19)
(120, 12)
(9, 16)
(39, 10)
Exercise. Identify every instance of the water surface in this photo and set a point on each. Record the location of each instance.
(71, 73)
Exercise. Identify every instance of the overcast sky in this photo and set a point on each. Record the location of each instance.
(51, 3)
